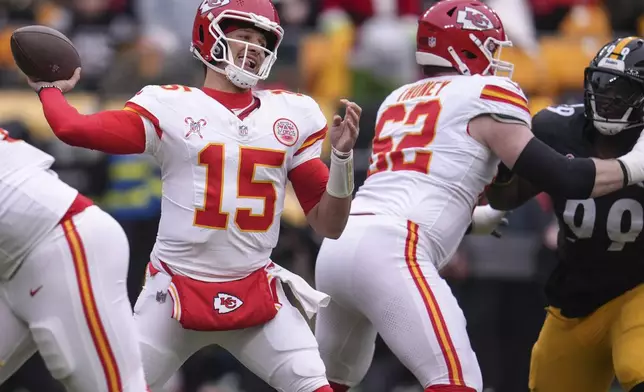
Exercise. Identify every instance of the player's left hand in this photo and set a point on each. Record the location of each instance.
(486, 220)
(344, 131)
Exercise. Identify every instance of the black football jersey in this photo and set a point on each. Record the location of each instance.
(600, 244)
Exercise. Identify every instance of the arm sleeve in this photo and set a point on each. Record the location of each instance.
(542, 128)
(509, 191)
(557, 175)
(309, 182)
(113, 132)
(545, 126)
(145, 103)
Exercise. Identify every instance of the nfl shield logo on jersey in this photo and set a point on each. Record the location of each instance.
(286, 132)
(431, 41)
(194, 127)
(243, 130)
(161, 296)
(226, 303)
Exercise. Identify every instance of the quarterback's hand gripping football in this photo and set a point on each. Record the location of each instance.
(344, 131)
(63, 85)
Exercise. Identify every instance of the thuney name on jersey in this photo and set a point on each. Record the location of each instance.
(425, 166)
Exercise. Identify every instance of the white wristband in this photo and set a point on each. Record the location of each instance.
(634, 167)
(634, 162)
(486, 219)
(340, 182)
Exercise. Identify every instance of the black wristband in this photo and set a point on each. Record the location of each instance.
(625, 173)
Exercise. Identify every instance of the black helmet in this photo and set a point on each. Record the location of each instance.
(614, 86)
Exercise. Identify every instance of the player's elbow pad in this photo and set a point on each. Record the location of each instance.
(554, 173)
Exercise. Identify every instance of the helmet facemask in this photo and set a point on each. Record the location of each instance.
(224, 60)
(491, 49)
(614, 100)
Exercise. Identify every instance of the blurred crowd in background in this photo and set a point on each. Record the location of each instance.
(358, 49)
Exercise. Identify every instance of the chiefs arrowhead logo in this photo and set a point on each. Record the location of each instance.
(226, 303)
(473, 19)
(209, 5)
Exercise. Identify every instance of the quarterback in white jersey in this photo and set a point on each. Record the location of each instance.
(436, 147)
(63, 264)
(226, 154)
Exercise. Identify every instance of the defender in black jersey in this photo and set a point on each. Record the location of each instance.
(595, 324)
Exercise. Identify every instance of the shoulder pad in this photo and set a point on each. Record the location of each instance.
(164, 89)
(500, 96)
(557, 115)
(554, 120)
(297, 100)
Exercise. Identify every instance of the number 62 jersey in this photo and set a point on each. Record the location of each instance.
(600, 245)
(425, 167)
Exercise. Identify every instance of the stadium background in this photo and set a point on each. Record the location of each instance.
(360, 49)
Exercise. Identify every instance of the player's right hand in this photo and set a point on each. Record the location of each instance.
(344, 131)
(63, 85)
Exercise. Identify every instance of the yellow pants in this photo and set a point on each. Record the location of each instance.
(585, 354)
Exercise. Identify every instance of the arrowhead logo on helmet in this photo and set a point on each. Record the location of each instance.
(471, 19)
(209, 5)
(465, 35)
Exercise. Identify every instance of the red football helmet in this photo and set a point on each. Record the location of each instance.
(464, 34)
(215, 18)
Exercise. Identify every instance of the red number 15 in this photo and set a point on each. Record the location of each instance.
(211, 215)
(383, 146)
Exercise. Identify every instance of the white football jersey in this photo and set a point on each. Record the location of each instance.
(32, 200)
(425, 167)
(224, 178)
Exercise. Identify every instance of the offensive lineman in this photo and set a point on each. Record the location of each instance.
(594, 329)
(437, 145)
(63, 265)
(226, 153)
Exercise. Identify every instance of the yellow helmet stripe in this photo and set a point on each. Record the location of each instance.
(620, 46)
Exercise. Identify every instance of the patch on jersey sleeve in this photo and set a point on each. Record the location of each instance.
(499, 94)
(286, 132)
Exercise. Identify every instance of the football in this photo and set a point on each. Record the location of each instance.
(44, 54)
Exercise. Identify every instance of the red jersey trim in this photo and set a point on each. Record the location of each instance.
(141, 111)
(311, 140)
